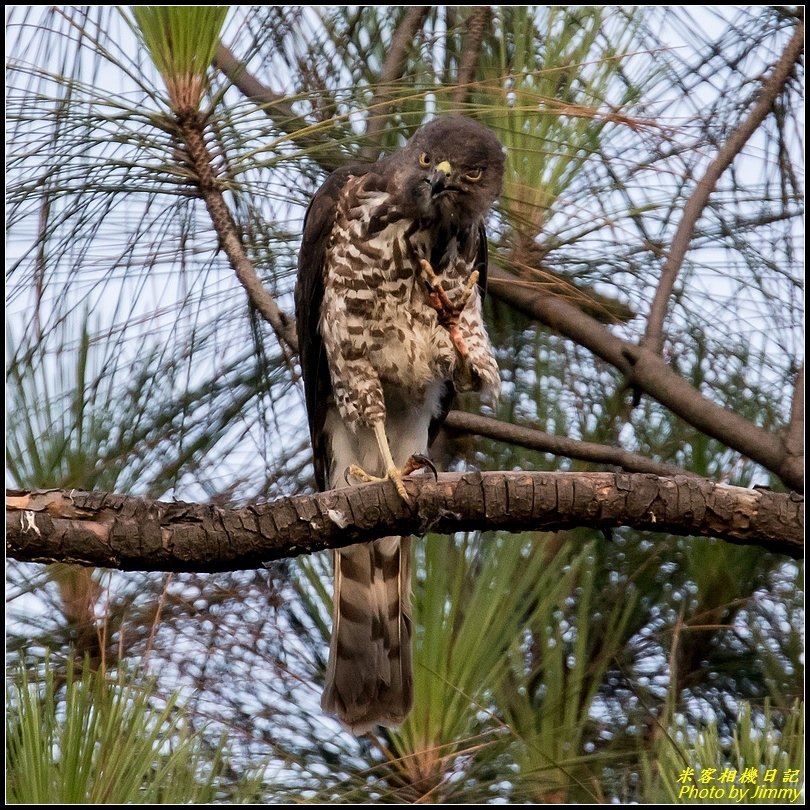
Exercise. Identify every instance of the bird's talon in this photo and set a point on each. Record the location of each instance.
(448, 313)
(458, 341)
(393, 474)
(396, 476)
(419, 462)
(358, 472)
(428, 272)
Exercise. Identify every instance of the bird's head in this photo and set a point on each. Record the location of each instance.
(451, 171)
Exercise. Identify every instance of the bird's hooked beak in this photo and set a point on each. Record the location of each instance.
(438, 177)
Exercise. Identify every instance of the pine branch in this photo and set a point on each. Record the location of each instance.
(477, 24)
(771, 88)
(190, 128)
(534, 439)
(279, 110)
(647, 370)
(116, 531)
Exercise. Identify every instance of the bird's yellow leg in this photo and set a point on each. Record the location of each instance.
(392, 472)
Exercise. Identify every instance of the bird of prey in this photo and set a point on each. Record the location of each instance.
(391, 277)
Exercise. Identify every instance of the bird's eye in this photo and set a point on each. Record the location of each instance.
(474, 176)
(424, 160)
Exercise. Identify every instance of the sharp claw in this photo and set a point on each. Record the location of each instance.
(358, 472)
(421, 462)
(433, 469)
(428, 272)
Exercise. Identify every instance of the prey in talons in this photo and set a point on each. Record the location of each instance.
(447, 311)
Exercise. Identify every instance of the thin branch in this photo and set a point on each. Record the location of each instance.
(525, 261)
(279, 109)
(190, 129)
(771, 88)
(392, 70)
(477, 24)
(534, 439)
(647, 371)
(115, 531)
(254, 90)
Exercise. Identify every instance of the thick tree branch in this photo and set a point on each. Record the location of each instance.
(534, 439)
(115, 531)
(392, 70)
(771, 88)
(648, 371)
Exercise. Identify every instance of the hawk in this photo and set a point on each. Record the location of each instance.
(391, 277)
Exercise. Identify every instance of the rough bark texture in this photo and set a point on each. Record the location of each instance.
(115, 531)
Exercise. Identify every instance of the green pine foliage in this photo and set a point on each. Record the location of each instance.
(77, 736)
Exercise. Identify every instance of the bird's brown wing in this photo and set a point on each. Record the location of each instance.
(318, 223)
(369, 675)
